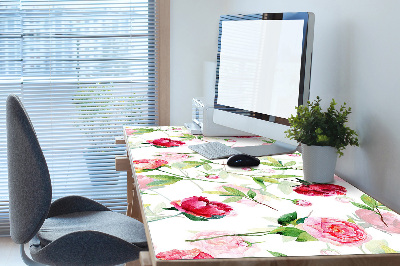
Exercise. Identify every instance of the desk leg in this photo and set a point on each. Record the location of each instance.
(129, 192)
(133, 263)
(144, 260)
(132, 198)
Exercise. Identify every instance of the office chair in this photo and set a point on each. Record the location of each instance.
(70, 231)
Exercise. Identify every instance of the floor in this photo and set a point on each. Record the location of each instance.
(9, 253)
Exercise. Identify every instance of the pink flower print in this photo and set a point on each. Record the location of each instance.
(294, 155)
(329, 252)
(143, 181)
(227, 246)
(172, 156)
(212, 176)
(201, 206)
(303, 203)
(130, 131)
(335, 231)
(247, 169)
(166, 142)
(270, 171)
(343, 199)
(324, 190)
(148, 164)
(392, 220)
(176, 254)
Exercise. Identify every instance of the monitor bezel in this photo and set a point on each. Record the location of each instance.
(305, 69)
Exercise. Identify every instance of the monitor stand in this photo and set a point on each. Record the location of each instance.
(267, 150)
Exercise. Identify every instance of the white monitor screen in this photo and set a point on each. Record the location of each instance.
(260, 63)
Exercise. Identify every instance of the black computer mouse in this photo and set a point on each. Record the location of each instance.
(243, 160)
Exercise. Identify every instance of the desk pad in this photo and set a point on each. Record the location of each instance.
(196, 208)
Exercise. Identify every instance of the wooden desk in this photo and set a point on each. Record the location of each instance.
(201, 211)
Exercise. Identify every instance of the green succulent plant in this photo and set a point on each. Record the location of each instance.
(312, 126)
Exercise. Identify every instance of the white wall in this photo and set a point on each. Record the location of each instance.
(194, 41)
(356, 60)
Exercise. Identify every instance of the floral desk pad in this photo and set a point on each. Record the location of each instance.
(196, 208)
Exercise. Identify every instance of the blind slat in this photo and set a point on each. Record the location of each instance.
(82, 69)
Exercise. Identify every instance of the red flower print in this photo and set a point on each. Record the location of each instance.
(335, 231)
(201, 206)
(392, 220)
(166, 142)
(176, 254)
(324, 190)
(148, 164)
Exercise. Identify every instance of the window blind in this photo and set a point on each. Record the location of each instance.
(82, 69)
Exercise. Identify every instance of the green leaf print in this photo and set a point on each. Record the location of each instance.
(223, 174)
(194, 218)
(277, 164)
(140, 131)
(287, 218)
(379, 247)
(222, 193)
(284, 176)
(286, 187)
(234, 191)
(300, 235)
(287, 231)
(260, 182)
(158, 183)
(191, 164)
(251, 194)
(362, 206)
(207, 167)
(267, 179)
(291, 163)
(304, 236)
(369, 201)
(232, 199)
(272, 162)
(276, 254)
(163, 180)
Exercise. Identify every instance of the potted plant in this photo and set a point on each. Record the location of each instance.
(323, 136)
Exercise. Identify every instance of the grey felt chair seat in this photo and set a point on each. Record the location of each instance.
(107, 222)
(72, 230)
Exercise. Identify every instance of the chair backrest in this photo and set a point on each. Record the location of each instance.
(29, 183)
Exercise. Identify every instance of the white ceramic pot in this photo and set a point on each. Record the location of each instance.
(319, 163)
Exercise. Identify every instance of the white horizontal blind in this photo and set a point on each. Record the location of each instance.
(82, 69)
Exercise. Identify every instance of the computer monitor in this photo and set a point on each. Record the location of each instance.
(263, 73)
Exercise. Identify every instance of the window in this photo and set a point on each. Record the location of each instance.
(82, 69)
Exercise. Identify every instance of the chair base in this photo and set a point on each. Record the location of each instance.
(26, 259)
